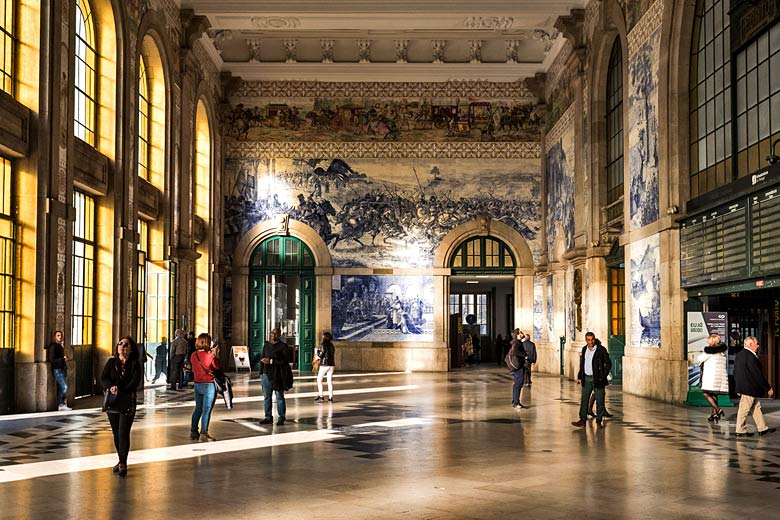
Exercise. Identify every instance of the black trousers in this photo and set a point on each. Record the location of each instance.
(120, 427)
(177, 364)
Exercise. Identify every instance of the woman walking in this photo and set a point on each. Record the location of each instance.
(120, 379)
(327, 355)
(714, 377)
(204, 361)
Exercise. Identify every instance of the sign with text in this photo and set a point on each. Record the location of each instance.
(241, 357)
(701, 324)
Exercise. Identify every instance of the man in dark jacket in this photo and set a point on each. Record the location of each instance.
(750, 384)
(274, 352)
(530, 357)
(594, 369)
(515, 361)
(55, 353)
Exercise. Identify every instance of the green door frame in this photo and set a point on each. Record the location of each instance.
(616, 343)
(284, 256)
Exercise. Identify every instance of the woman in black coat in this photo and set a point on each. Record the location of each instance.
(120, 379)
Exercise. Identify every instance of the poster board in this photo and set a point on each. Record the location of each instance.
(241, 357)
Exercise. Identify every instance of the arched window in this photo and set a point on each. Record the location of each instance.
(483, 254)
(710, 98)
(614, 116)
(7, 44)
(203, 213)
(85, 73)
(144, 122)
(283, 254)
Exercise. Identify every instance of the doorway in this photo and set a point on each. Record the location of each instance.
(282, 294)
(616, 303)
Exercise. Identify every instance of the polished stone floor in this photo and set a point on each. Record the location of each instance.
(394, 445)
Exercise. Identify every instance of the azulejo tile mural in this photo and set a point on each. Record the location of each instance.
(550, 308)
(364, 119)
(379, 308)
(382, 212)
(643, 132)
(538, 308)
(560, 193)
(646, 292)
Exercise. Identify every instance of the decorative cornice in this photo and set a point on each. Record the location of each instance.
(555, 133)
(276, 22)
(376, 89)
(646, 26)
(494, 23)
(371, 150)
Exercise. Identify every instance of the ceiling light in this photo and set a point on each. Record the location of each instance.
(472, 281)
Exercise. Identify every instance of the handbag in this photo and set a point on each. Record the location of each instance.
(315, 364)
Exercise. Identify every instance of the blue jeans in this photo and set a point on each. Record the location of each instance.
(519, 376)
(62, 385)
(205, 396)
(281, 405)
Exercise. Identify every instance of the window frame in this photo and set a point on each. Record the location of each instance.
(85, 74)
(84, 256)
(8, 36)
(614, 170)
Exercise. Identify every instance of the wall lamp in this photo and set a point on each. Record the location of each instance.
(772, 158)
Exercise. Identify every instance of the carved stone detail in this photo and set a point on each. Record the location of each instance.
(438, 50)
(289, 46)
(511, 51)
(327, 50)
(475, 51)
(255, 45)
(193, 27)
(364, 51)
(276, 22)
(401, 51)
(494, 23)
(645, 27)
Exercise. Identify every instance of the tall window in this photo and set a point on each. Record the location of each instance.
(710, 98)
(758, 100)
(476, 304)
(615, 134)
(7, 257)
(143, 119)
(85, 76)
(7, 45)
(143, 247)
(83, 312)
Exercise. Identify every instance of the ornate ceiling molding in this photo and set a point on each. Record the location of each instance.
(493, 23)
(375, 89)
(275, 23)
(372, 150)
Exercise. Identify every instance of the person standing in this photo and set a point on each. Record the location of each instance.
(499, 346)
(750, 384)
(204, 361)
(593, 376)
(274, 352)
(121, 377)
(714, 377)
(530, 356)
(187, 367)
(59, 369)
(735, 346)
(327, 355)
(516, 364)
(178, 355)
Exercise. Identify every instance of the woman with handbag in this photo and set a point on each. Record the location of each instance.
(204, 362)
(714, 378)
(327, 356)
(120, 379)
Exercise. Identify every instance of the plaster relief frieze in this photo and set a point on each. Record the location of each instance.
(401, 51)
(493, 23)
(475, 51)
(562, 125)
(327, 50)
(383, 150)
(271, 23)
(364, 51)
(645, 27)
(438, 50)
(289, 47)
(376, 89)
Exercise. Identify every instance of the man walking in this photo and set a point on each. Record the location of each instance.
(594, 369)
(530, 356)
(59, 369)
(515, 361)
(178, 354)
(274, 353)
(750, 384)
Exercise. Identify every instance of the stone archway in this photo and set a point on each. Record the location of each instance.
(281, 226)
(483, 225)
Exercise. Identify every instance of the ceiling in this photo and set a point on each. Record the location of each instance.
(382, 40)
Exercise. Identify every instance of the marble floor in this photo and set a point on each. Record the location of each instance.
(394, 445)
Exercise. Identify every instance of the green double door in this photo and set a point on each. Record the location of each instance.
(616, 342)
(282, 294)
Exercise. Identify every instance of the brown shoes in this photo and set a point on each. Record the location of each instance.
(578, 424)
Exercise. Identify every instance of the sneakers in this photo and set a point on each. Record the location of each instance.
(194, 435)
(319, 399)
(64, 408)
(205, 437)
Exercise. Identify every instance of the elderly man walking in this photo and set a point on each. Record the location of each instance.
(750, 384)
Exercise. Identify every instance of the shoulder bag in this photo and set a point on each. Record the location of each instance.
(222, 383)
